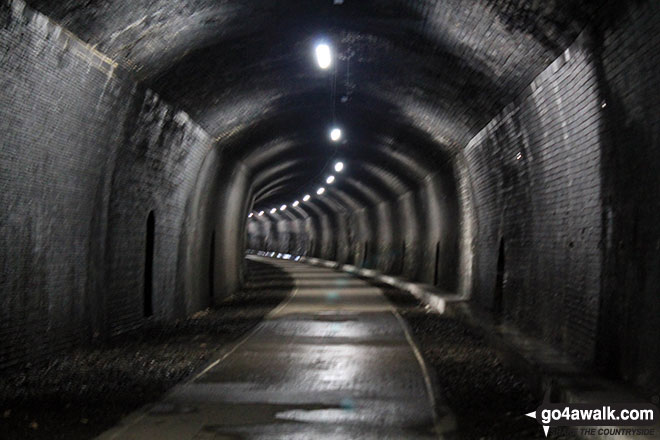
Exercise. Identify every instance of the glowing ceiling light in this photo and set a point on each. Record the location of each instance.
(330, 179)
(320, 191)
(250, 215)
(272, 211)
(261, 213)
(339, 166)
(306, 198)
(323, 55)
(335, 134)
(296, 203)
(283, 208)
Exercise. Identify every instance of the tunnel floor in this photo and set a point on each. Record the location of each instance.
(302, 352)
(334, 360)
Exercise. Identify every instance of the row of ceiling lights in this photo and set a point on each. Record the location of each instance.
(339, 167)
(324, 60)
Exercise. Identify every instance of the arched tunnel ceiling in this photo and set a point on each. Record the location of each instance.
(414, 79)
(389, 156)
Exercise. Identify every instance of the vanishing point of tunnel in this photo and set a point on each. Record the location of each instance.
(329, 219)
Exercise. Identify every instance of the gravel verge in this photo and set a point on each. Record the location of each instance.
(488, 398)
(87, 390)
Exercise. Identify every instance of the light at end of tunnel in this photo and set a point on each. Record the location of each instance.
(272, 211)
(261, 213)
(335, 134)
(330, 179)
(339, 166)
(306, 198)
(283, 208)
(250, 215)
(296, 203)
(320, 191)
(323, 55)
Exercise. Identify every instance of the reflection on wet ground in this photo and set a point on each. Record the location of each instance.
(332, 361)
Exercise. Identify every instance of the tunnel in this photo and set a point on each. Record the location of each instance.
(328, 218)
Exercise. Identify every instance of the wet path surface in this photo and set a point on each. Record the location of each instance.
(332, 361)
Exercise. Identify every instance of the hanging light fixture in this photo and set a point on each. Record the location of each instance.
(323, 55)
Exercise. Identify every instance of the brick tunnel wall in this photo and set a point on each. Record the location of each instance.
(86, 155)
(564, 185)
(629, 78)
(156, 169)
(559, 193)
(535, 171)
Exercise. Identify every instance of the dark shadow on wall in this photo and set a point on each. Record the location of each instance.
(629, 315)
(498, 297)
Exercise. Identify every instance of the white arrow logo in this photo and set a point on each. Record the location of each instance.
(546, 428)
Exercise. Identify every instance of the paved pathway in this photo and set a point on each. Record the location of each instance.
(334, 360)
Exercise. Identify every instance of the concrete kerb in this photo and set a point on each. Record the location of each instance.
(436, 299)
